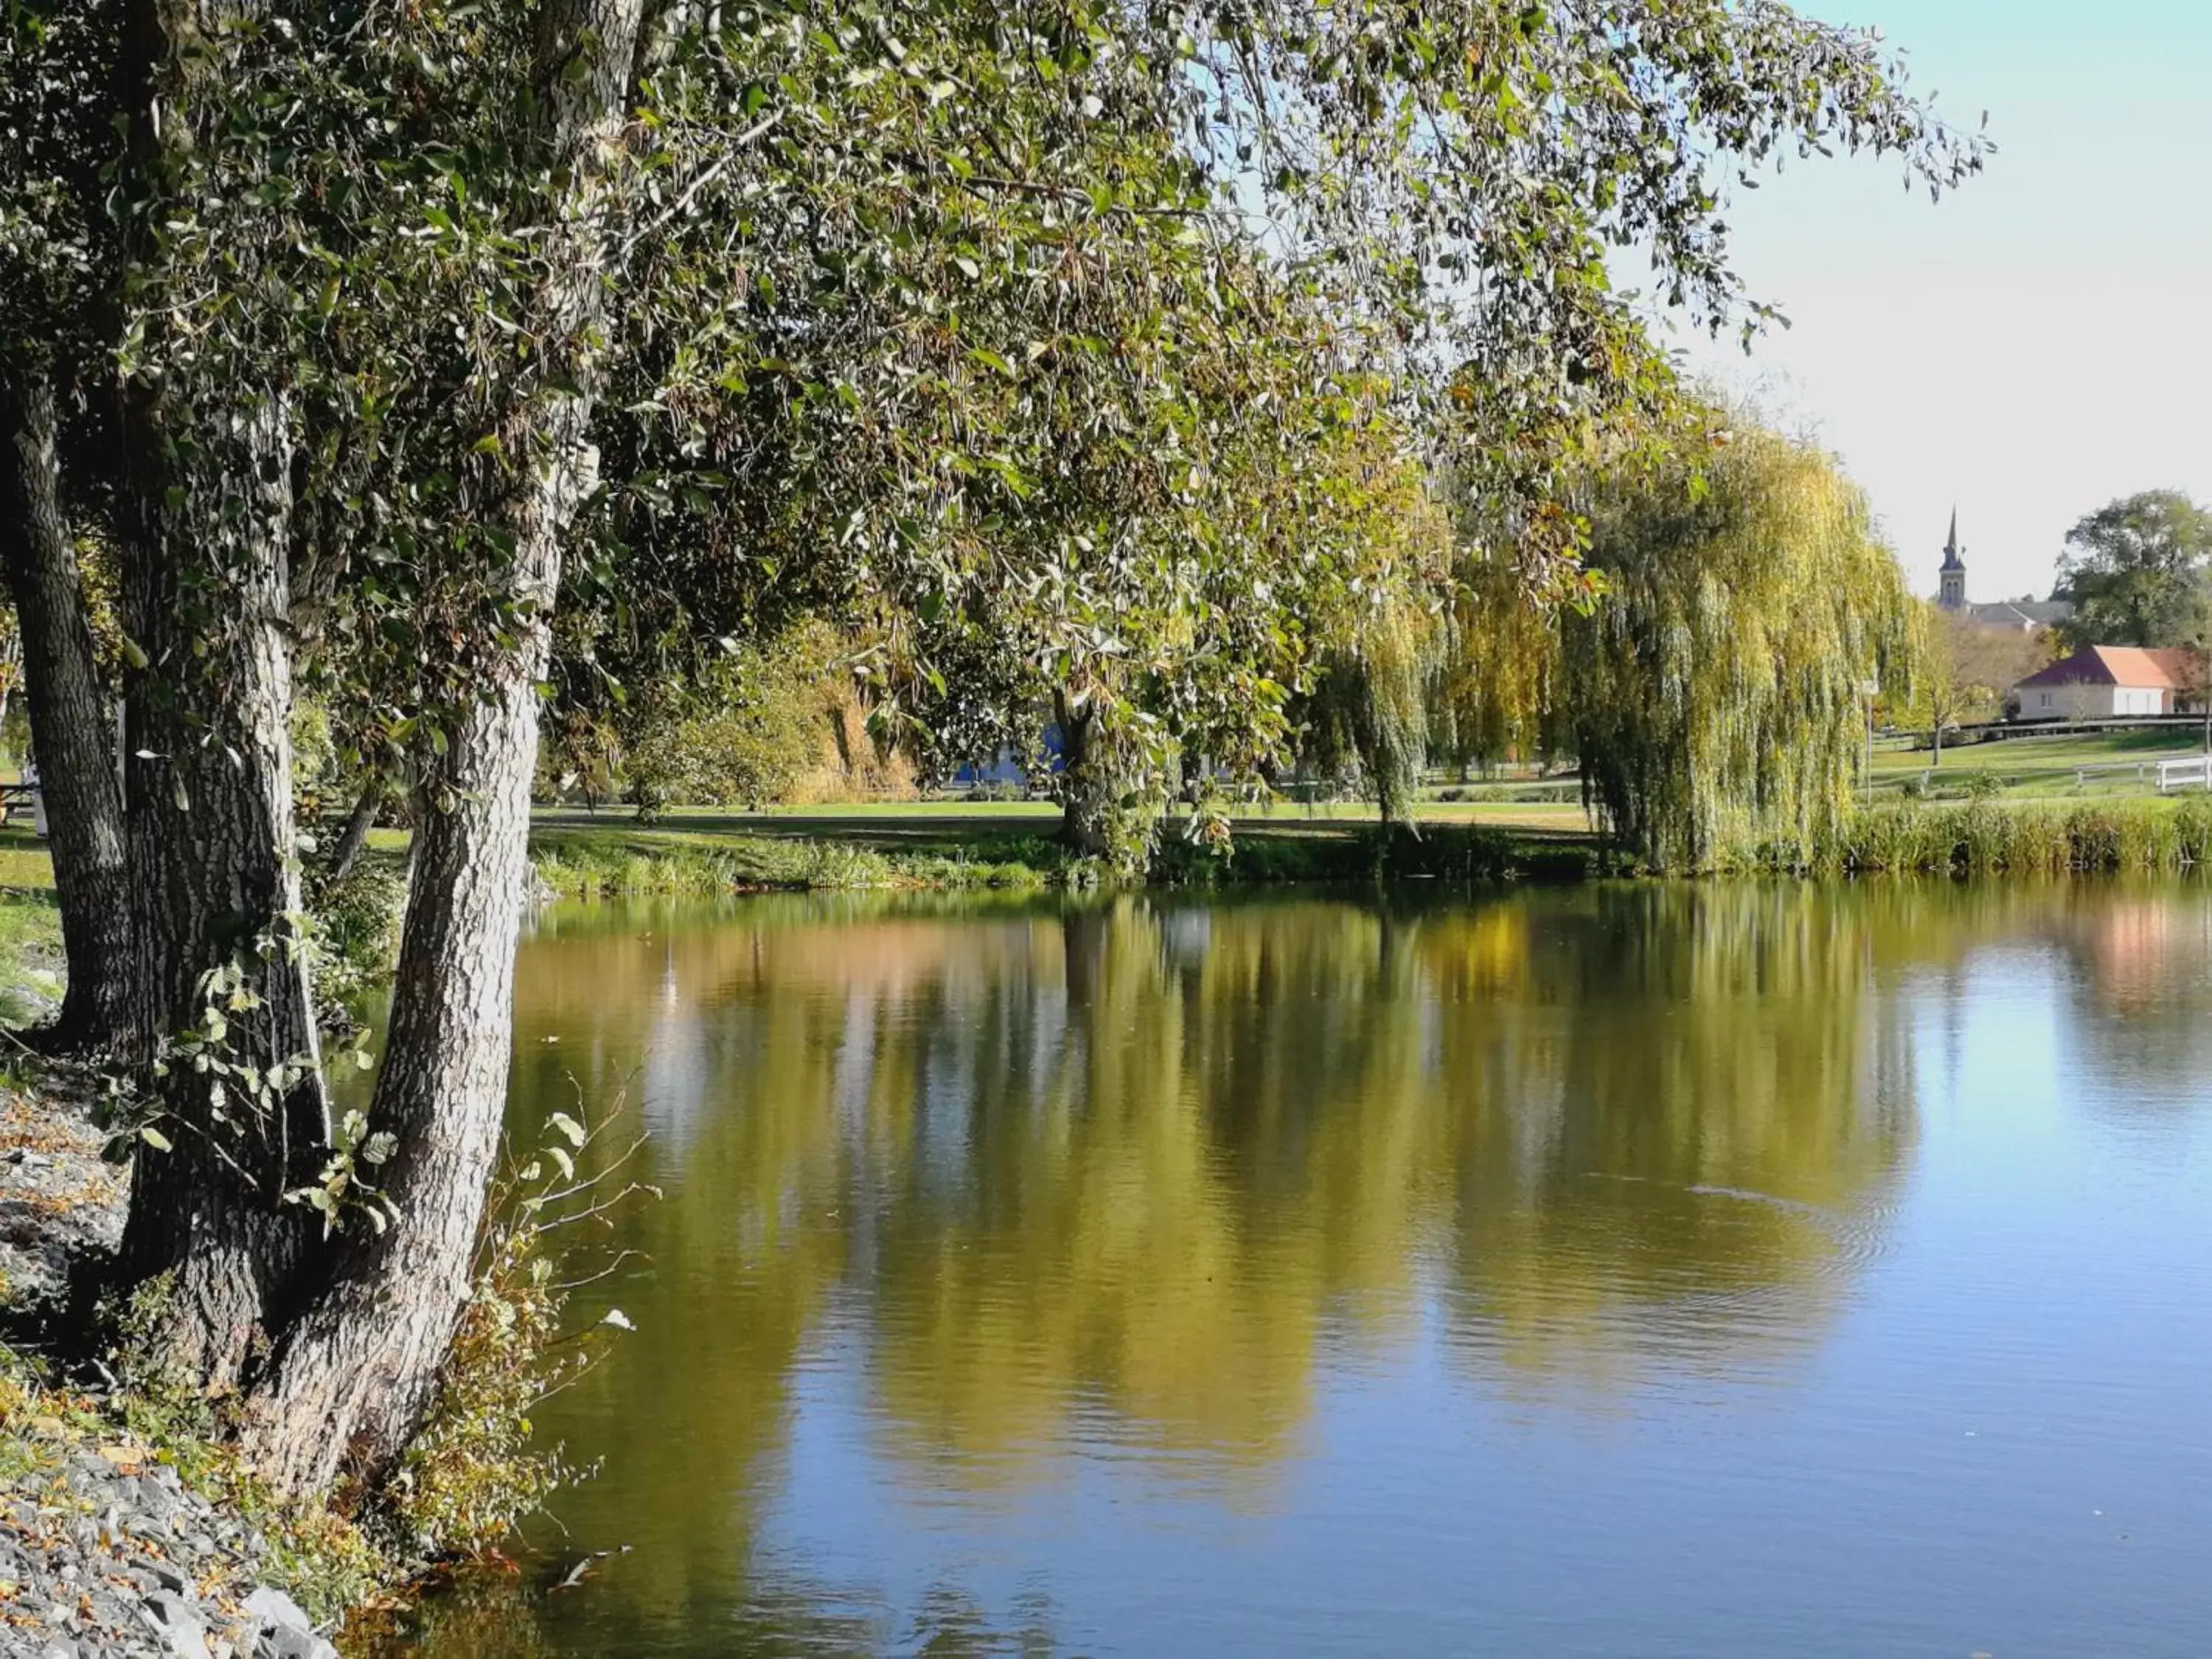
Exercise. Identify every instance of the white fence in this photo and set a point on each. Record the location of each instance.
(2180, 774)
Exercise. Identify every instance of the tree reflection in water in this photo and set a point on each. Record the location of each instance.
(1032, 1183)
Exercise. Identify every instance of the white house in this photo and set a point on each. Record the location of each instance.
(2099, 682)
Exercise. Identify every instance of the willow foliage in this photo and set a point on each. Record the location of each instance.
(1366, 719)
(1717, 695)
(1492, 691)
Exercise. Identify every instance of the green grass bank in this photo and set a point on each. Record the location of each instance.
(703, 857)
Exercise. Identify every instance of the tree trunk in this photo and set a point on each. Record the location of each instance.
(214, 860)
(355, 837)
(1108, 810)
(72, 731)
(348, 1385)
(204, 516)
(353, 1375)
(1086, 811)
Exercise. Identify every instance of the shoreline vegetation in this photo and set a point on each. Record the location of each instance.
(706, 858)
(963, 848)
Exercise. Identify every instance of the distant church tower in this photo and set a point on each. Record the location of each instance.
(1952, 594)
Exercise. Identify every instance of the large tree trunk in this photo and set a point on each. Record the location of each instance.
(223, 1023)
(214, 857)
(350, 1383)
(353, 1378)
(72, 731)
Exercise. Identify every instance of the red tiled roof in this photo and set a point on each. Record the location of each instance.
(2165, 668)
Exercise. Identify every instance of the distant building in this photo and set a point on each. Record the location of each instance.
(1952, 592)
(2101, 682)
(2020, 616)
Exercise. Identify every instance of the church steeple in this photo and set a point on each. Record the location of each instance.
(1951, 594)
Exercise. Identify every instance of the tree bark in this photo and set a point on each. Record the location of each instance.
(354, 1375)
(72, 731)
(214, 856)
(204, 507)
(349, 1384)
(355, 837)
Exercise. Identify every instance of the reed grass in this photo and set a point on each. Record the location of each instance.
(1998, 837)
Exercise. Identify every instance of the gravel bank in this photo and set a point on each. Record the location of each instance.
(104, 1550)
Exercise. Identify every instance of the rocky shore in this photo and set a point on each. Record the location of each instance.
(105, 1549)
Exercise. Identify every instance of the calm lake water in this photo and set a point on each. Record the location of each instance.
(1714, 1270)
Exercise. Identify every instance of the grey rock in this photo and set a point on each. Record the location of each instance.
(286, 1631)
(289, 1643)
(156, 1500)
(271, 1607)
(178, 1623)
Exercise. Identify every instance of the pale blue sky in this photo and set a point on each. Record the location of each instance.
(2039, 341)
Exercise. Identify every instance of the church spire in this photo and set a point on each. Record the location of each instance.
(1951, 590)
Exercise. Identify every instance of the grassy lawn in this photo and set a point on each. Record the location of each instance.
(30, 928)
(2061, 767)
(945, 824)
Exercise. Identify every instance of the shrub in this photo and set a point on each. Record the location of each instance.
(353, 927)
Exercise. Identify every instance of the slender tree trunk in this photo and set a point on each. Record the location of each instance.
(1085, 813)
(350, 1383)
(72, 731)
(355, 837)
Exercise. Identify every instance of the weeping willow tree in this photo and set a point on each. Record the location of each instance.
(1366, 723)
(1491, 687)
(1717, 695)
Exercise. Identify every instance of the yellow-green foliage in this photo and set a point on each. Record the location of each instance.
(1491, 694)
(1993, 837)
(1717, 694)
(741, 735)
(1379, 640)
